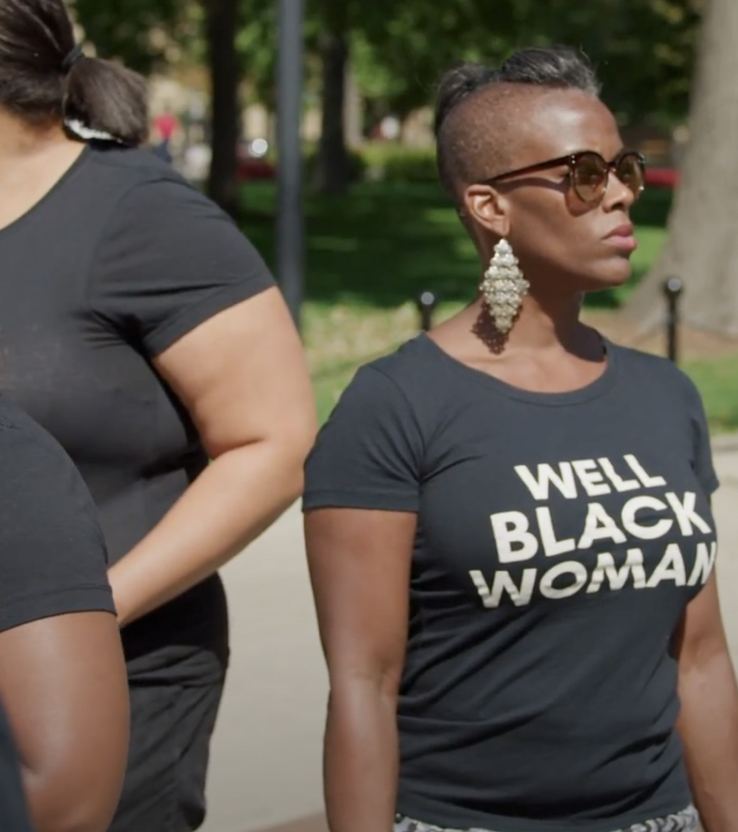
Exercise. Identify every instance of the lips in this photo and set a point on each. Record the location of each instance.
(622, 238)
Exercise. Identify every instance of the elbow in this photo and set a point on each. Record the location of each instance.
(295, 485)
(83, 802)
(379, 687)
(93, 814)
(291, 452)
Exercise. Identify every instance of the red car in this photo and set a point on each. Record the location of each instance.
(250, 168)
(662, 178)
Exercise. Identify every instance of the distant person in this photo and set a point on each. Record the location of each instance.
(146, 334)
(62, 671)
(165, 125)
(508, 520)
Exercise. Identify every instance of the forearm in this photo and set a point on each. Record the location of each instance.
(361, 760)
(237, 497)
(708, 725)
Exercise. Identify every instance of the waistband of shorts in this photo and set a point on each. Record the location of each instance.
(686, 820)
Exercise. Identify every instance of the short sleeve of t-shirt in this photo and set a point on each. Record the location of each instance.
(702, 452)
(368, 454)
(52, 552)
(168, 261)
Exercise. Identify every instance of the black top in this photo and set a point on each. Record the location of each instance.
(115, 264)
(52, 551)
(559, 539)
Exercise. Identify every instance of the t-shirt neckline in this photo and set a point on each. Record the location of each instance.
(590, 391)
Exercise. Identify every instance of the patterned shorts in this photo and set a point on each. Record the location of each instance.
(685, 821)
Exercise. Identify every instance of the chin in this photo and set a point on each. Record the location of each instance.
(608, 277)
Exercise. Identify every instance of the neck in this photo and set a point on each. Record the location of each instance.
(545, 323)
(548, 321)
(21, 141)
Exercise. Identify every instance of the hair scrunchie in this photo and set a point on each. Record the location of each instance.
(71, 59)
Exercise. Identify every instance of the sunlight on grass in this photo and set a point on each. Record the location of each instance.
(717, 381)
(340, 338)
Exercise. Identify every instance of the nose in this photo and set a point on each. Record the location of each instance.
(618, 195)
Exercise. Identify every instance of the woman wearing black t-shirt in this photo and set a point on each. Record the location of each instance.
(145, 333)
(508, 520)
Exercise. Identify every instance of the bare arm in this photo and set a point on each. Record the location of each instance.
(709, 717)
(63, 684)
(243, 378)
(360, 566)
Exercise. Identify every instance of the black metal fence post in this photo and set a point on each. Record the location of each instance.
(426, 303)
(673, 289)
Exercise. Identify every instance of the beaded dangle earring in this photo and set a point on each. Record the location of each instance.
(504, 287)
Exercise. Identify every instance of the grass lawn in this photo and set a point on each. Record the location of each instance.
(370, 254)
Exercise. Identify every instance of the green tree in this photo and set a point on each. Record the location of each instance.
(643, 49)
(138, 32)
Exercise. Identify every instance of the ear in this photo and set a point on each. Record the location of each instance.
(487, 208)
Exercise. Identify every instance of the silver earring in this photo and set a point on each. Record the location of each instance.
(504, 287)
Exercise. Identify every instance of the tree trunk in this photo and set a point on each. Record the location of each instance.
(221, 27)
(333, 165)
(702, 244)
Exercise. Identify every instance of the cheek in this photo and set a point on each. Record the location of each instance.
(553, 238)
(547, 233)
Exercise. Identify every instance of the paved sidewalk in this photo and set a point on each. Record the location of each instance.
(266, 759)
(266, 754)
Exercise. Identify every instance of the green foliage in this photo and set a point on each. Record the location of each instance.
(643, 49)
(418, 40)
(257, 48)
(390, 162)
(141, 33)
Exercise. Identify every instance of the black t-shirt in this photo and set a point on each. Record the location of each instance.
(52, 551)
(559, 539)
(115, 264)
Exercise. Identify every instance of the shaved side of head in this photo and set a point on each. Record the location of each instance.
(478, 138)
(479, 111)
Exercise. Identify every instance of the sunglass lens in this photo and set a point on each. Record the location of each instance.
(589, 177)
(631, 172)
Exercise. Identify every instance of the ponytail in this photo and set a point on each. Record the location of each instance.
(107, 98)
(44, 77)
